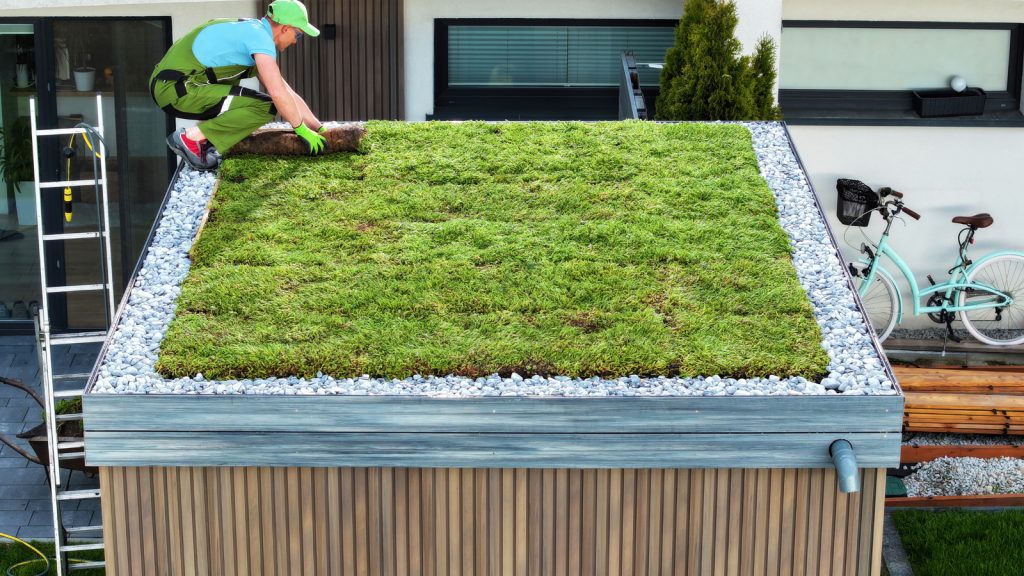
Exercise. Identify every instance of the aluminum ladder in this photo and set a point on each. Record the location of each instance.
(46, 341)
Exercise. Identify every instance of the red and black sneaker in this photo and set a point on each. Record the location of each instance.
(190, 151)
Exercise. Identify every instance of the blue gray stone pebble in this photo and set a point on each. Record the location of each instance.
(855, 368)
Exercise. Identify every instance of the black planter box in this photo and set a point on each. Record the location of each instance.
(935, 103)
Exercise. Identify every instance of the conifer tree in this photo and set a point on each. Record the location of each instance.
(707, 78)
(762, 66)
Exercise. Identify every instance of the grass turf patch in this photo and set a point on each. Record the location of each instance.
(12, 553)
(549, 248)
(962, 543)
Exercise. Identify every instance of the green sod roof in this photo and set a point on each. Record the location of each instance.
(575, 249)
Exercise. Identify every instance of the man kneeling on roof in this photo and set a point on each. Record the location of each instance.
(198, 80)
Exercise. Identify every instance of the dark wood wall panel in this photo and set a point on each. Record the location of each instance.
(489, 521)
(357, 76)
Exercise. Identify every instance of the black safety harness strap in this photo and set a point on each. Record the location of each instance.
(179, 87)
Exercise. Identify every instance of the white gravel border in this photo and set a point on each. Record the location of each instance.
(855, 370)
(967, 476)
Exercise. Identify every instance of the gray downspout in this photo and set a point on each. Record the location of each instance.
(845, 462)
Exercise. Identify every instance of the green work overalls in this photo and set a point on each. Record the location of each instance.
(184, 88)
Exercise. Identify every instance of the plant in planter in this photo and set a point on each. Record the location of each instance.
(5, 439)
(16, 165)
(16, 152)
(67, 431)
(77, 39)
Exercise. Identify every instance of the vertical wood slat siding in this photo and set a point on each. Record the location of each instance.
(360, 74)
(489, 522)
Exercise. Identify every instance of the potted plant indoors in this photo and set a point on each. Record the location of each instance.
(77, 39)
(16, 167)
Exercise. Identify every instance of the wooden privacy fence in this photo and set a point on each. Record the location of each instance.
(476, 522)
(359, 75)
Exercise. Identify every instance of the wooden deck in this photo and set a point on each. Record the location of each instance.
(477, 522)
(984, 400)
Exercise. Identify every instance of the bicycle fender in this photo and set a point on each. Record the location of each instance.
(993, 255)
(899, 293)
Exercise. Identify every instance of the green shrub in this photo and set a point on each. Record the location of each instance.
(706, 78)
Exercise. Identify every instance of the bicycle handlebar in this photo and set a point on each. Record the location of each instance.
(896, 194)
(911, 213)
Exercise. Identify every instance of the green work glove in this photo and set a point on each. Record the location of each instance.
(316, 143)
(322, 129)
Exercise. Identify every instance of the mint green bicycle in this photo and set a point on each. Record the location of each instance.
(987, 295)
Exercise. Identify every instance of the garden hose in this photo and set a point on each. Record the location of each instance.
(42, 557)
(30, 547)
(69, 153)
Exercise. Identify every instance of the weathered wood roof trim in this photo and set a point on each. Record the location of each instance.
(460, 450)
(488, 415)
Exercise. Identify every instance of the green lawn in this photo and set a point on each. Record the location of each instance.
(12, 553)
(576, 249)
(960, 543)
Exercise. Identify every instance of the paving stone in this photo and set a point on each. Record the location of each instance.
(14, 505)
(16, 462)
(26, 532)
(11, 428)
(13, 414)
(45, 505)
(10, 530)
(88, 348)
(90, 504)
(20, 476)
(29, 348)
(25, 491)
(15, 517)
(6, 360)
(28, 374)
(71, 518)
(4, 401)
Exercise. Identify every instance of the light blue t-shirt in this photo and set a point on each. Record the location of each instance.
(234, 43)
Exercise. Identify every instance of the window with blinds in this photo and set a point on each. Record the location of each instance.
(551, 55)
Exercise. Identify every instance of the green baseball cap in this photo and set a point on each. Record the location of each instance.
(291, 13)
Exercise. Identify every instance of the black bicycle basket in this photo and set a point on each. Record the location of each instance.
(856, 201)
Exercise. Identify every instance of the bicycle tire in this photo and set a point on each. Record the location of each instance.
(1006, 274)
(881, 304)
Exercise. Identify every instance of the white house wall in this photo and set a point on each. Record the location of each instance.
(905, 10)
(185, 14)
(944, 172)
(756, 18)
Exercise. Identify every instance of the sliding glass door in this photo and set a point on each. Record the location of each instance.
(73, 60)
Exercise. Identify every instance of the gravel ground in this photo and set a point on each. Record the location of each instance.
(928, 334)
(855, 370)
(967, 476)
(946, 439)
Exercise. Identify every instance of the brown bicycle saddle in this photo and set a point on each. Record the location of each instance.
(982, 220)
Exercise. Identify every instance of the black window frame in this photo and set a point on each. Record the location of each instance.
(548, 102)
(888, 100)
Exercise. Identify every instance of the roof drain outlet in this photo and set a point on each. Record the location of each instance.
(845, 462)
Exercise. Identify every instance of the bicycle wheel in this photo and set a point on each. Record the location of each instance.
(997, 326)
(881, 303)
